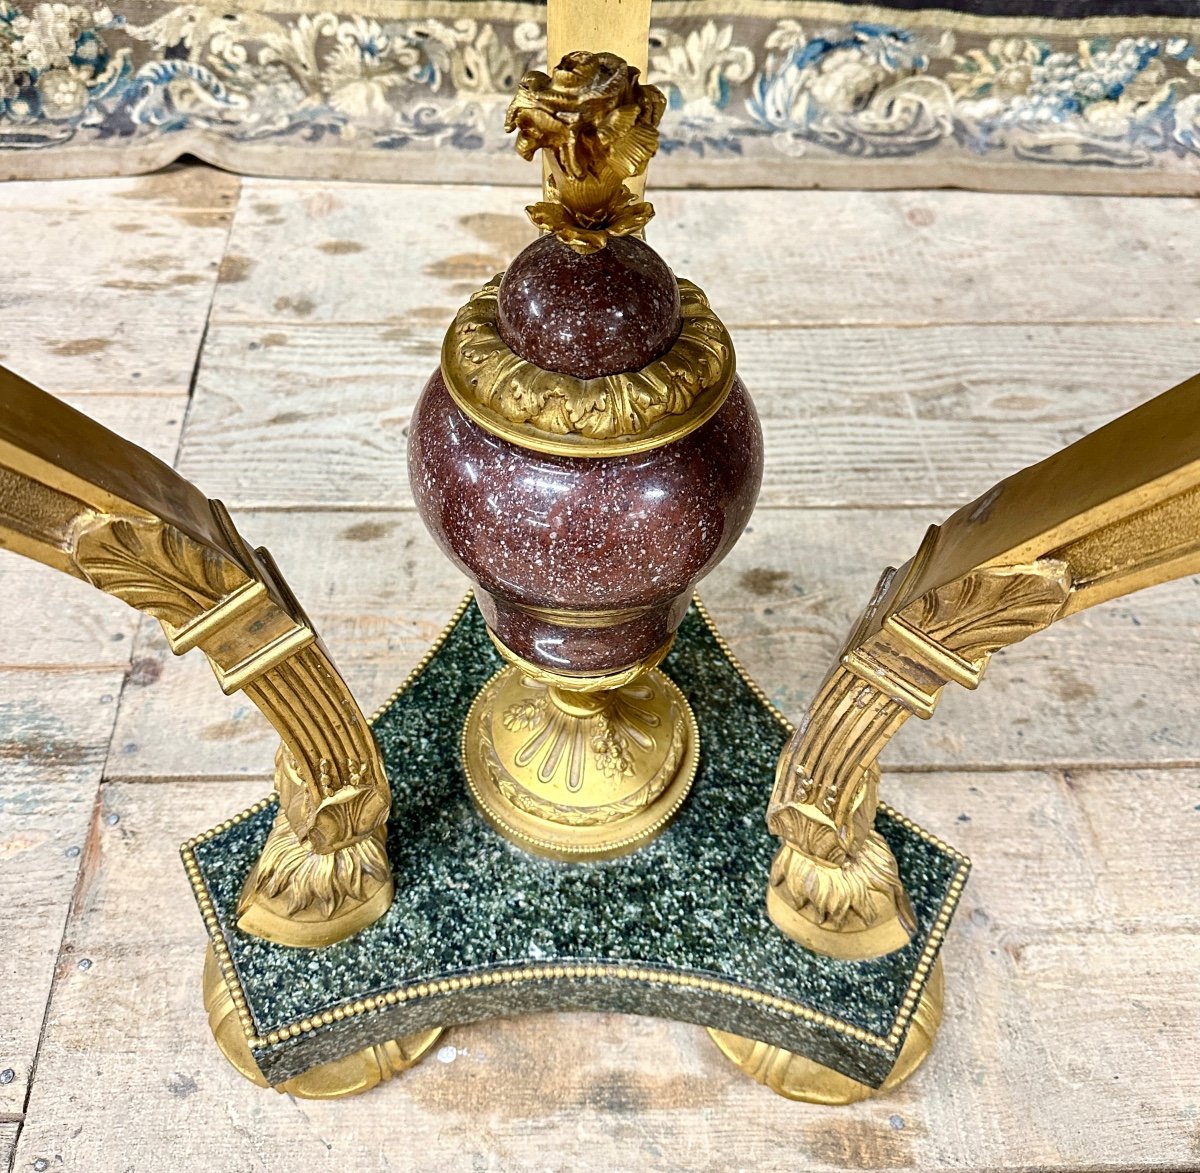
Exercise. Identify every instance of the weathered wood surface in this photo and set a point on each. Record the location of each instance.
(1054, 987)
(103, 297)
(905, 350)
(379, 591)
(293, 415)
(43, 838)
(8, 1141)
(917, 257)
(55, 723)
(55, 727)
(106, 283)
(411, 254)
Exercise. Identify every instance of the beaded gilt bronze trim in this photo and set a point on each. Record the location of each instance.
(501, 976)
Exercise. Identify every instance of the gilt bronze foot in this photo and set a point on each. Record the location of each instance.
(797, 1077)
(351, 1075)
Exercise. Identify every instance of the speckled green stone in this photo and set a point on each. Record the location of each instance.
(691, 903)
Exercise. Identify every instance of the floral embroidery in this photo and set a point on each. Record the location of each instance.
(698, 71)
(1105, 102)
(876, 90)
(863, 92)
(745, 86)
(250, 76)
(54, 63)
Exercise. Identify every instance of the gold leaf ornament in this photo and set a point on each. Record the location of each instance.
(154, 567)
(610, 415)
(598, 127)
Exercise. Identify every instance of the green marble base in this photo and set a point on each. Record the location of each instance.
(678, 929)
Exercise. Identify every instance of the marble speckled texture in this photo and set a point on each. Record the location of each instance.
(469, 902)
(610, 311)
(541, 534)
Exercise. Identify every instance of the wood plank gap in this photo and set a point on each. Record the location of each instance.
(66, 669)
(249, 506)
(258, 183)
(1045, 766)
(862, 183)
(901, 769)
(139, 393)
(208, 318)
(244, 507)
(87, 860)
(205, 779)
(873, 507)
(102, 209)
(1182, 323)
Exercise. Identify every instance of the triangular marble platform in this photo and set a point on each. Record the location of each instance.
(479, 929)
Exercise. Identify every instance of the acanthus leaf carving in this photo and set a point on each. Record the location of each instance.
(155, 568)
(993, 607)
(833, 870)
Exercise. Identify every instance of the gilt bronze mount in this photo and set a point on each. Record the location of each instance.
(610, 415)
(579, 775)
(482, 927)
(578, 799)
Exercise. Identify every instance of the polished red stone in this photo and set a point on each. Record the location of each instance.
(587, 536)
(609, 311)
(585, 564)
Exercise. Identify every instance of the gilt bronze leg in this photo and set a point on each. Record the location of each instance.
(79, 498)
(1116, 511)
(833, 885)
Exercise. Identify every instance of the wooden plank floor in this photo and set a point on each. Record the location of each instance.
(905, 349)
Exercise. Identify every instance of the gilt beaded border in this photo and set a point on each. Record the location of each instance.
(498, 977)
